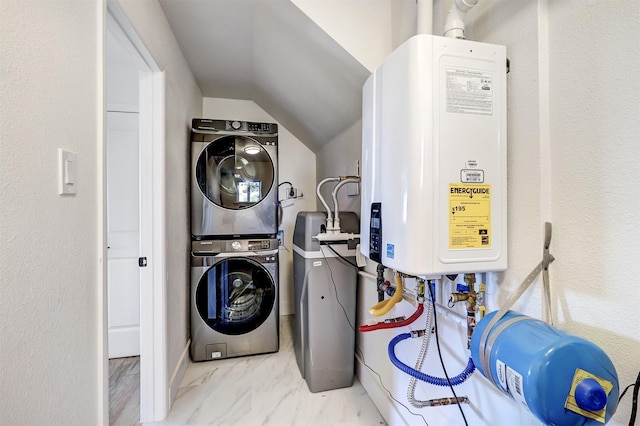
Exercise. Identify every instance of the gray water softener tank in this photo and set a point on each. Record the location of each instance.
(325, 302)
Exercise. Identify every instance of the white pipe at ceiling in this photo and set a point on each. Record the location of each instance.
(424, 23)
(454, 25)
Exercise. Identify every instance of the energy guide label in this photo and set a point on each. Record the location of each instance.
(469, 216)
(469, 91)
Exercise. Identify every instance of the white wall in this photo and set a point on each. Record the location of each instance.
(594, 123)
(51, 315)
(296, 164)
(51, 336)
(337, 19)
(380, 25)
(183, 101)
(573, 127)
(573, 108)
(341, 157)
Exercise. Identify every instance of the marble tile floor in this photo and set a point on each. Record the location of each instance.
(265, 390)
(124, 391)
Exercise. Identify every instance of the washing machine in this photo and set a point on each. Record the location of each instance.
(234, 189)
(234, 298)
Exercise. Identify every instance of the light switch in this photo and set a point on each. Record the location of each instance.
(67, 171)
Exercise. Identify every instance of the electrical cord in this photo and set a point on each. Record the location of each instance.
(291, 193)
(341, 256)
(634, 400)
(335, 288)
(435, 326)
(625, 391)
(361, 356)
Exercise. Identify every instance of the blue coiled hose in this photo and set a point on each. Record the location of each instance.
(438, 381)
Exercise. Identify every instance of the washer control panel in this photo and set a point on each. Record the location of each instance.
(208, 247)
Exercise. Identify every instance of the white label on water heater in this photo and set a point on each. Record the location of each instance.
(472, 176)
(501, 372)
(469, 91)
(514, 386)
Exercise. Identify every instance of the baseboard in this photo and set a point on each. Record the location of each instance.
(178, 373)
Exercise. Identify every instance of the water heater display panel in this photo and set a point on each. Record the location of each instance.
(375, 232)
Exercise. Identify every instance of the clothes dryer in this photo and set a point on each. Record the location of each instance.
(234, 188)
(234, 298)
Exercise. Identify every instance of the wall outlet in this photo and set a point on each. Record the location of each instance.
(292, 193)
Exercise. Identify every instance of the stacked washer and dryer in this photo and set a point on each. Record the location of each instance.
(234, 249)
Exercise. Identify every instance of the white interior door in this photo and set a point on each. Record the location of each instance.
(123, 234)
(136, 84)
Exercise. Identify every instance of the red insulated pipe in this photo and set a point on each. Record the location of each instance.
(382, 325)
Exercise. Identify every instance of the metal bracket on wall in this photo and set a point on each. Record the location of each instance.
(547, 258)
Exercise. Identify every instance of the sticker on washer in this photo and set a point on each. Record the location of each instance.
(317, 263)
(469, 91)
(469, 216)
(571, 404)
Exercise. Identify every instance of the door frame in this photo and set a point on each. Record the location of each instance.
(154, 388)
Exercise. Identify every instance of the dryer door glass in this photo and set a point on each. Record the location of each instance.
(234, 172)
(235, 296)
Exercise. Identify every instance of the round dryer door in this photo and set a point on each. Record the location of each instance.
(235, 296)
(234, 172)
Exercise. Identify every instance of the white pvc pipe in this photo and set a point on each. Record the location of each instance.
(424, 24)
(454, 25)
(324, 203)
(334, 195)
(459, 319)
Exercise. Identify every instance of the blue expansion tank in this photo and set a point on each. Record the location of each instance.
(561, 378)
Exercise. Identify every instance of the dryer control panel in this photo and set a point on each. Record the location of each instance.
(205, 125)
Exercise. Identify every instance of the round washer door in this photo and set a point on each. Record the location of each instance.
(234, 172)
(235, 296)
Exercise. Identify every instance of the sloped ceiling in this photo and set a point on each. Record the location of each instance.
(270, 52)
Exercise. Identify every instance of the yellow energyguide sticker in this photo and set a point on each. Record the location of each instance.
(571, 404)
(469, 216)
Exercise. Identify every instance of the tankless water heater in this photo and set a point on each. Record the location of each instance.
(434, 177)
